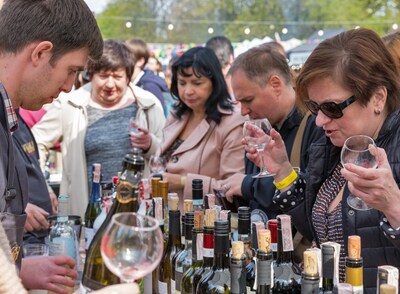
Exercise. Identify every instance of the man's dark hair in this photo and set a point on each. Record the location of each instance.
(68, 24)
(222, 47)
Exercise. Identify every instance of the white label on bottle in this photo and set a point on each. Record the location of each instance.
(172, 286)
(89, 233)
(162, 288)
(62, 246)
(199, 246)
(274, 247)
(208, 252)
(358, 289)
(286, 227)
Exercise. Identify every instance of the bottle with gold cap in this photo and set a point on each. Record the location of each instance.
(264, 261)
(354, 264)
(310, 275)
(197, 254)
(238, 268)
(208, 247)
(165, 282)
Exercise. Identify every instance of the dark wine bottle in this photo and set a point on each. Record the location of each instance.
(264, 262)
(208, 247)
(218, 280)
(197, 253)
(354, 264)
(93, 208)
(329, 269)
(238, 268)
(95, 274)
(287, 275)
(244, 235)
(197, 194)
(184, 258)
(310, 275)
(165, 282)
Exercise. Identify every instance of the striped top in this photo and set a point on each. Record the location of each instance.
(328, 225)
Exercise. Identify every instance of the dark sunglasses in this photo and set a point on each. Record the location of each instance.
(330, 109)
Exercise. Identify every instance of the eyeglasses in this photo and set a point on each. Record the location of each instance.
(330, 109)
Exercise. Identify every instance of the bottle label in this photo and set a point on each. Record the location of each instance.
(287, 238)
(162, 288)
(208, 252)
(62, 246)
(158, 209)
(89, 233)
(199, 246)
(274, 247)
(126, 192)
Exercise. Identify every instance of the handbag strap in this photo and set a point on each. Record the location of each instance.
(296, 148)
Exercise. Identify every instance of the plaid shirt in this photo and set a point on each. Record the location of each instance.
(11, 115)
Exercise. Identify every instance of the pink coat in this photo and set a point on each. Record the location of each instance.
(211, 153)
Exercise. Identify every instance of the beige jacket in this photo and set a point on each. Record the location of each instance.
(66, 121)
(212, 152)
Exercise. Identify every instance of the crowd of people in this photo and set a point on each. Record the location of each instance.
(110, 96)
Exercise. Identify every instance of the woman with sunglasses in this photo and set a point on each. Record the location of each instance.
(351, 83)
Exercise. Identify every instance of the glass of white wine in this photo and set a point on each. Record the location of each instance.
(132, 246)
(356, 151)
(256, 134)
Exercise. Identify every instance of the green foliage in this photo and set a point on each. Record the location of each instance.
(191, 19)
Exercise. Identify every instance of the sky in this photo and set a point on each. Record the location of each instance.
(97, 5)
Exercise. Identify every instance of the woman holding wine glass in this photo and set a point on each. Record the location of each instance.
(202, 136)
(351, 83)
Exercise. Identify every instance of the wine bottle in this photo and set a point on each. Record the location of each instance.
(330, 266)
(354, 264)
(388, 274)
(310, 275)
(93, 208)
(287, 275)
(165, 282)
(272, 225)
(197, 253)
(163, 187)
(238, 268)
(95, 274)
(218, 280)
(62, 237)
(245, 236)
(197, 194)
(184, 258)
(208, 247)
(343, 288)
(264, 262)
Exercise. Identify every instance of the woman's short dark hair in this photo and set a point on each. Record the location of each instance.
(359, 61)
(115, 55)
(203, 62)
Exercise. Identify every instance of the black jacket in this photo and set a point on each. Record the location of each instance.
(376, 248)
(259, 192)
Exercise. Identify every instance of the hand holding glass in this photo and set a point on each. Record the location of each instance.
(356, 151)
(132, 246)
(256, 134)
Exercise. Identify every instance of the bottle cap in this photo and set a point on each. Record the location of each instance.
(154, 187)
(173, 202)
(354, 246)
(133, 159)
(244, 213)
(211, 215)
(221, 227)
(163, 190)
(310, 262)
(198, 219)
(237, 249)
(187, 205)
(387, 289)
(273, 227)
(264, 239)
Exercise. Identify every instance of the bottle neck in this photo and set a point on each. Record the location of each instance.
(174, 234)
(285, 244)
(208, 246)
(95, 195)
(221, 251)
(195, 249)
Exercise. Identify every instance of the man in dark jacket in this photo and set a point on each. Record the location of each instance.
(262, 83)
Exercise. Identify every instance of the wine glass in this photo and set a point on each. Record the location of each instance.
(356, 151)
(157, 164)
(256, 134)
(132, 246)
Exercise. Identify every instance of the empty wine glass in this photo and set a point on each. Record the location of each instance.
(157, 164)
(256, 134)
(356, 151)
(132, 246)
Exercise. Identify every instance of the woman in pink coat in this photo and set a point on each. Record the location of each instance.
(202, 136)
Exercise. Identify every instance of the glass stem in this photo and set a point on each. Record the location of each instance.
(262, 167)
